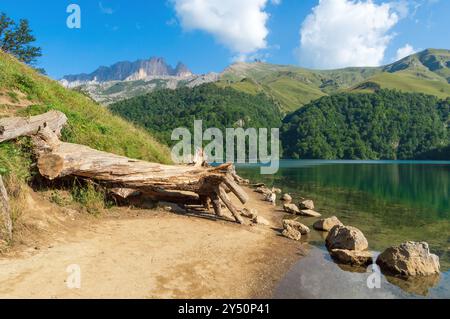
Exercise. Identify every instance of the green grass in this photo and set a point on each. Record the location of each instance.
(89, 123)
(426, 72)
(405, 82)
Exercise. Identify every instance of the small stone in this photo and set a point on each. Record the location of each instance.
(286, 198)
(304, 230)
(271, 198)
(263, 190)
(276, 190)
(249, 213)
(291, 209)
(310, 213)
(327, 224)
(307, 205)
(261, 221)
(291, 233)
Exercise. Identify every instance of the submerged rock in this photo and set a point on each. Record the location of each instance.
(327, 224)
(291, 209)
(304, 230)
(286, 198)
(346, 237)
(352, 257)
(307, 205)
(409, 259)
(309, 213)
(292, 233)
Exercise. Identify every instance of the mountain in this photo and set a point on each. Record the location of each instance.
(383, 125)
(292, 87)
(425, 72)
(129, 71)
(125, 80)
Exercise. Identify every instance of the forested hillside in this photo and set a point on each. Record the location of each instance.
(162, 111)
(383, 125)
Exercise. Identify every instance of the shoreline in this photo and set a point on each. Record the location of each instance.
(156, 254)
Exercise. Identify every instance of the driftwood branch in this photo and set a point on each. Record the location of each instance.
(189, 185)
(14, 127)
(5, 211)
(196, 184)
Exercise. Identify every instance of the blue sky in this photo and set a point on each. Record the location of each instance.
(208, 35)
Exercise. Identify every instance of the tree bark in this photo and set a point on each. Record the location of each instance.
(14, 127)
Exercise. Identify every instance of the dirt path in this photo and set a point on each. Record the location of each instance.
(156, 255)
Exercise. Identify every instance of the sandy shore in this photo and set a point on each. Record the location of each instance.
(155, 254)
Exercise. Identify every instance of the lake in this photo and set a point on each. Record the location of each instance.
(390, 201)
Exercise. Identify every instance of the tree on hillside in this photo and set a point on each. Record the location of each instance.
(16, 39)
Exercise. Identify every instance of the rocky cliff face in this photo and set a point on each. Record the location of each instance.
(130, 71)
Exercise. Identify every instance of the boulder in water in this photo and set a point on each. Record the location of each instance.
(347, 238)
(352, 257)
(327, 224)
(409, 259)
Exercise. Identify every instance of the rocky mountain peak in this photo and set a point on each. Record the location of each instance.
(155, 67)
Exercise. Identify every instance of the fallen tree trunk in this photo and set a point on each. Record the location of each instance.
(164, 182)
(5, 211)
(14, 127)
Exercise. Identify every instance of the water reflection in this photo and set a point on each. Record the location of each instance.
(391, 202)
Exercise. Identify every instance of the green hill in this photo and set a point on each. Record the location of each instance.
(23, 91)
(162, 111)
(425, 72)
(382, 125)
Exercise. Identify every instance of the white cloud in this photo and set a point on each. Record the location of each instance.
(342, 33)
(240, 25)
(405, 51)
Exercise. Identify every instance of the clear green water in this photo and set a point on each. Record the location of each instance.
(391, 202)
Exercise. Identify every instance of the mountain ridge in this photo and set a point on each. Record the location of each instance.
(425, 72)
(155, 67)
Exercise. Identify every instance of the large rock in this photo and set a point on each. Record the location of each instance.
(292, 233)
(286, 198)
(409, 259)
(346, 237)
(327, 224)
(352, 257)
(291, 209)
(304, 230)
(309, 213)
(307, 205)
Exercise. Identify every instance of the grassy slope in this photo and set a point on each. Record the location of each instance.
(406, 82)
(89, 123)
(426, 72)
